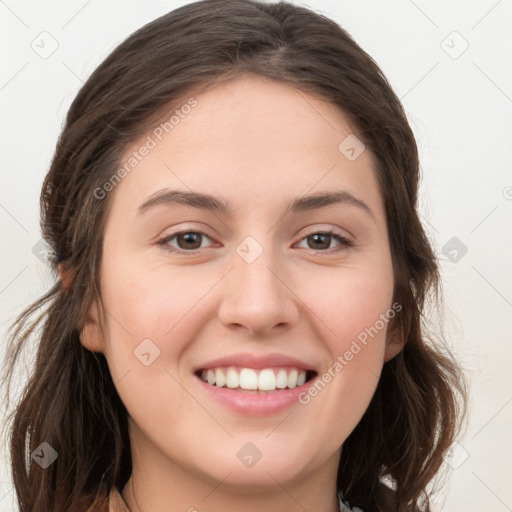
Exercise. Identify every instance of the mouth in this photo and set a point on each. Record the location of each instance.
(255, 381)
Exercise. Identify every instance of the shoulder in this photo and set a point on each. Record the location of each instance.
(109, 501)
(116, 502)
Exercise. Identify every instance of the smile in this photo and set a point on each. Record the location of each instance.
(250, 379)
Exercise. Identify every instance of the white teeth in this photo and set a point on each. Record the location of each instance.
(268, 379)
(282, 379)
(232, 379)
(292, 379)
(220, 378)
(248, 379)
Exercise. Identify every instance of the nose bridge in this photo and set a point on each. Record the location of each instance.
(254, 264)
(258, 298)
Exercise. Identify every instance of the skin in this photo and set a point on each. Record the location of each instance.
(258, 144)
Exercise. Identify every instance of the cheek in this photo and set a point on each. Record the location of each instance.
(348, 301)
(148, 329)
(152, 301)
(153, 316)
(353, 307)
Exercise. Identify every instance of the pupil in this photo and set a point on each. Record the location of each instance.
(316, 237)
(191, 238)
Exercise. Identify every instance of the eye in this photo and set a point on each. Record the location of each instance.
(323, 239)
(188, 241)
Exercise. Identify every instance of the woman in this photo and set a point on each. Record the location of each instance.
(232, 215)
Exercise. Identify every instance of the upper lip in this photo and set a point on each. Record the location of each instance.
(247, 360)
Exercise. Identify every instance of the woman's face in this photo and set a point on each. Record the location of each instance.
(262, 288)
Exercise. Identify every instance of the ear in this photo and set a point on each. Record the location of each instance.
(394, 345)
(91, 336)
(65, 274)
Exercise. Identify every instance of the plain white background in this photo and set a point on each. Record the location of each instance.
(449, 62)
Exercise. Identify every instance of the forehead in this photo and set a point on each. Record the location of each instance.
(253, 140)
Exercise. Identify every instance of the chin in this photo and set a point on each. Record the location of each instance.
(251, 469)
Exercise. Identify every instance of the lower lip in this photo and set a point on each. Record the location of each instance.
(255, 404)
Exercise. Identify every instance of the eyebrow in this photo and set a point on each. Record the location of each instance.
(214, 204)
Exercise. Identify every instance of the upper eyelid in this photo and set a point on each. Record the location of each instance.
(308, 233)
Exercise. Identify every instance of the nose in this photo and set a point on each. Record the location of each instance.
(258, 296)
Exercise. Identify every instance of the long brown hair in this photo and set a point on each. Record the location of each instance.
(70, 401)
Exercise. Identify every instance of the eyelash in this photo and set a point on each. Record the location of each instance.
(345, 243)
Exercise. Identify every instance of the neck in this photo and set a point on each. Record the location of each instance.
(159, 485)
